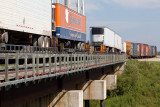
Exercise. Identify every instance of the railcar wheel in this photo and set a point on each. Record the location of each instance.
(41, 41)
(35, 41)
(79, 46)
(46, 42)
(82, 46)
(4, 37)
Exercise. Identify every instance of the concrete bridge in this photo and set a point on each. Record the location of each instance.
(57, 80)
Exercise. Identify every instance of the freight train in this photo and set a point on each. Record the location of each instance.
(42, 23)
(139, 50)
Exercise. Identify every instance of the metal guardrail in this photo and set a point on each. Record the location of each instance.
(29, 67)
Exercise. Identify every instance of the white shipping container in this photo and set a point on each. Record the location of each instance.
(124, 47)
(118, 42)
(31, 16)
(108, 38)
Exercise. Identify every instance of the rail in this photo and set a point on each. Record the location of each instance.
(20, 67)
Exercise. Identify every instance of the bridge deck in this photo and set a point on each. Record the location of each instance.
(20, 67)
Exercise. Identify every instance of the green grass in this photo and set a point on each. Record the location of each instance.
(139, 86)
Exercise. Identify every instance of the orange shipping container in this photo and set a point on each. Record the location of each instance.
(128, 48)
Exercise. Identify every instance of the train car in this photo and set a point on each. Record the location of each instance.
(25, 22)
(69, 27)
(135, 50)
(106, 40)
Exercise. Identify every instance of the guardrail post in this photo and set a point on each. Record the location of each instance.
(60, 62)
(44, 63)
(33, 64)
(17, 66)
(71, 62)
(84, 59)
(67, 62)
(37, 62)
(6, 67)
(25, 66)
(55, 62)
(77, 61)
(50, 63)
(74, 61)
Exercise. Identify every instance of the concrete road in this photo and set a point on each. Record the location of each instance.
(155, 59)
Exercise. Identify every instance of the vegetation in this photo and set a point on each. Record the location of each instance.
(139, 86)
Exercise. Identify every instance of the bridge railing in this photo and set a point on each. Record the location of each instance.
(18, 66)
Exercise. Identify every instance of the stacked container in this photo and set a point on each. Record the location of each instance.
(128, 48)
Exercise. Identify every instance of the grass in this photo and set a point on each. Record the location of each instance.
(139, 86)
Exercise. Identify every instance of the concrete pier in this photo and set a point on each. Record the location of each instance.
(111, 81)
(68, 99)
(94, 90)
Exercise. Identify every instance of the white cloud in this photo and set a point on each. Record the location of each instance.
(136, 3)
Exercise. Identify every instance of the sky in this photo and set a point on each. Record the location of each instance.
(134, 20)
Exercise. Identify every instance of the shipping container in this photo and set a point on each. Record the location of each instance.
(124, 45)
(147, 50)
(103, 36)
(151, 51)
(118, 42)
(106, 37)
(135, 49)
(128, 48)
(29, 16)
(70, 24)
(155, 50)
(143, 50)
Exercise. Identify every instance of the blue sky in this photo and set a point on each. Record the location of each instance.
(134, 20)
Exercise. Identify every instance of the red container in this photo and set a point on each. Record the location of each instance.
(147, 50)
(142, 50)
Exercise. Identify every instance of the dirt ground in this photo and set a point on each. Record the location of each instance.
(156, 59)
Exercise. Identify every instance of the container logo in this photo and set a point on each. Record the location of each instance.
(67, 14)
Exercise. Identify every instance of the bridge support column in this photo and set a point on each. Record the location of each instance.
(111, 81)
(68, 99)
(94, 90)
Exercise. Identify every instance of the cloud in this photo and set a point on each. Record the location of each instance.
(136, 3)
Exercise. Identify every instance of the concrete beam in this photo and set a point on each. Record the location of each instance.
(111, 81)
(68, 99)
(94, 90)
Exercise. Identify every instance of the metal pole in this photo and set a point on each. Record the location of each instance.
(67, 3)
(86, 103)
(102, 103)
(78, 6)
(83, 7)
